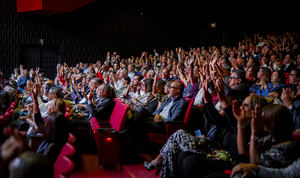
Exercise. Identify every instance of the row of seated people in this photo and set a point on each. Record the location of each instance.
(53, 128)
(213, 77)
(180, 137)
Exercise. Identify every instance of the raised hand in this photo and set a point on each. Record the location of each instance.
(35, 90)
(91, 96)
(37, 70)
(219, 87)
(206, 95)
(179, 49)
(256, 119)
(239, 113)
(287, 97)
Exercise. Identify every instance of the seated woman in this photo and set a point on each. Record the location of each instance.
(190, 81)
(276, 150)
(125, 82)
(160, 90)
(54, 127)
(143, 97)
(263, 78)
(275, 86)
(251, 74)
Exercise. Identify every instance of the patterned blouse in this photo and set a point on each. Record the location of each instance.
(278, 155)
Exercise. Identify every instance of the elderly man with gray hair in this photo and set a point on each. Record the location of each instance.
(103, 109)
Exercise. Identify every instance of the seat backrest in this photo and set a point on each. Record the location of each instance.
(116, 108)
(67, 150)
(71, 139)
(188, 114)
(95, 126)
(93, 120)
(118, 100)
(63, 166)
(117, 118)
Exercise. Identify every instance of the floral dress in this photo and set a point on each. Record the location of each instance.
(182, 141)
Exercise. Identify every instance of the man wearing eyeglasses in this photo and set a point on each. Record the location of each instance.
(173, 109)
(237, 84)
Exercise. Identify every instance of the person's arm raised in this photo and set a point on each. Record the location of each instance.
(34, 92)
(181, 77)
(254, 152)
(240, 115)
(219, 87)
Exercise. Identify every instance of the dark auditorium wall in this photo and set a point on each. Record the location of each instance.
(88, 33)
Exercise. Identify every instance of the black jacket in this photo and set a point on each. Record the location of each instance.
(103, 109)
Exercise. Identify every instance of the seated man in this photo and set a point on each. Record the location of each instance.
(103, 109)
(237, 85)
(173, 109)
(92, 86)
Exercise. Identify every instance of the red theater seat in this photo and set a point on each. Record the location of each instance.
(64, 165)
(108, 144)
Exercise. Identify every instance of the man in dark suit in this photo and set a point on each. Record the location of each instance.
(288, 64)
(103, 109)
(173, 109)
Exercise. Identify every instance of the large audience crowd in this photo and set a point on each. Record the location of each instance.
(245, 103)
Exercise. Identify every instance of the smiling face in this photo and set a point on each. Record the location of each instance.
(293, 77)
(51, 95)
(175, 89)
